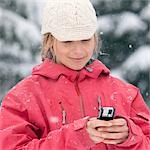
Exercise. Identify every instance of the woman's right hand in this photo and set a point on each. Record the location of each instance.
(92, 126)
(109, 132)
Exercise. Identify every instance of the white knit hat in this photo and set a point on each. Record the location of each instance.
(69, 20)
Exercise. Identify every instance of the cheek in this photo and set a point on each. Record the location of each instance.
(91, 48)
(92, 45)
(59, 50)
(91, 52)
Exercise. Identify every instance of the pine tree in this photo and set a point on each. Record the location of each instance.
(124, 26)
(19, 41)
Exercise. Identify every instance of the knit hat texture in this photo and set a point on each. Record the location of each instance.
(69, 20)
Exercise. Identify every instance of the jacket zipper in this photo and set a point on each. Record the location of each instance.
(80, 97)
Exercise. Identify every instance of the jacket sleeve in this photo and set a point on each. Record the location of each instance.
(17, 133)
(139, 126)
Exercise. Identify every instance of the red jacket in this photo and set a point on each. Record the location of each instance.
(48, 110)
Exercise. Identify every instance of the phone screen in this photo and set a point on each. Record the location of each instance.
(106, 113)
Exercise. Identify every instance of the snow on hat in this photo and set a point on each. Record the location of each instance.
(69, 20)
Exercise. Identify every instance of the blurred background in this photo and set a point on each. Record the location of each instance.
(124, 27)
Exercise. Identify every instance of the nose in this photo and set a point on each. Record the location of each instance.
(78, 49)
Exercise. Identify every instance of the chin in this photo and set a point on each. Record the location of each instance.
(76, 68)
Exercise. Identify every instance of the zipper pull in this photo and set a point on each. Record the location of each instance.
(99, 106)
(63, 114)
(99, 103)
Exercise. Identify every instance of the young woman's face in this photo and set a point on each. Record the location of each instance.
(74, 54)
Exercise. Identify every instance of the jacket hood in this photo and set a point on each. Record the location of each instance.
(49, 69)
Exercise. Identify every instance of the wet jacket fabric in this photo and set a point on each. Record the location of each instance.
(49, 109)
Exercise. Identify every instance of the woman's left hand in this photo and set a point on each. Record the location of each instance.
(115, 134)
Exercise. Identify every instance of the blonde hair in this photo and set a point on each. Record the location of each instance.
(47, 46)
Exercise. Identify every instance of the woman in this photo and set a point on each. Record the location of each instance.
(57, 106)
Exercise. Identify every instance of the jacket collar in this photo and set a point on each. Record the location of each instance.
(49, 69)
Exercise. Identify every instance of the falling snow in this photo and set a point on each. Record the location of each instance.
(54, 119)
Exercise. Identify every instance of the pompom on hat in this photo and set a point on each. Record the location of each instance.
(69, 20)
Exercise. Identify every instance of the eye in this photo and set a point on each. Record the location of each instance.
(86, 40)
(66, 41)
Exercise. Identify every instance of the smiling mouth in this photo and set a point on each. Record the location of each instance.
(77, 58)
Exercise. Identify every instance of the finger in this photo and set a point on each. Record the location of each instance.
(93, 132)
(114, 141)
(98, 123)
(118, 122)
(113, 136)
(96, 139)
(93, 118)
(113, 129)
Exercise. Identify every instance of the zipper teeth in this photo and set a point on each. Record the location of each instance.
(80, 98)
(82, 107)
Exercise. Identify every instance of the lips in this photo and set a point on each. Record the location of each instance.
(78, 58)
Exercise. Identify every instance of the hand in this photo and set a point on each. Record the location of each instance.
(109, 132)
